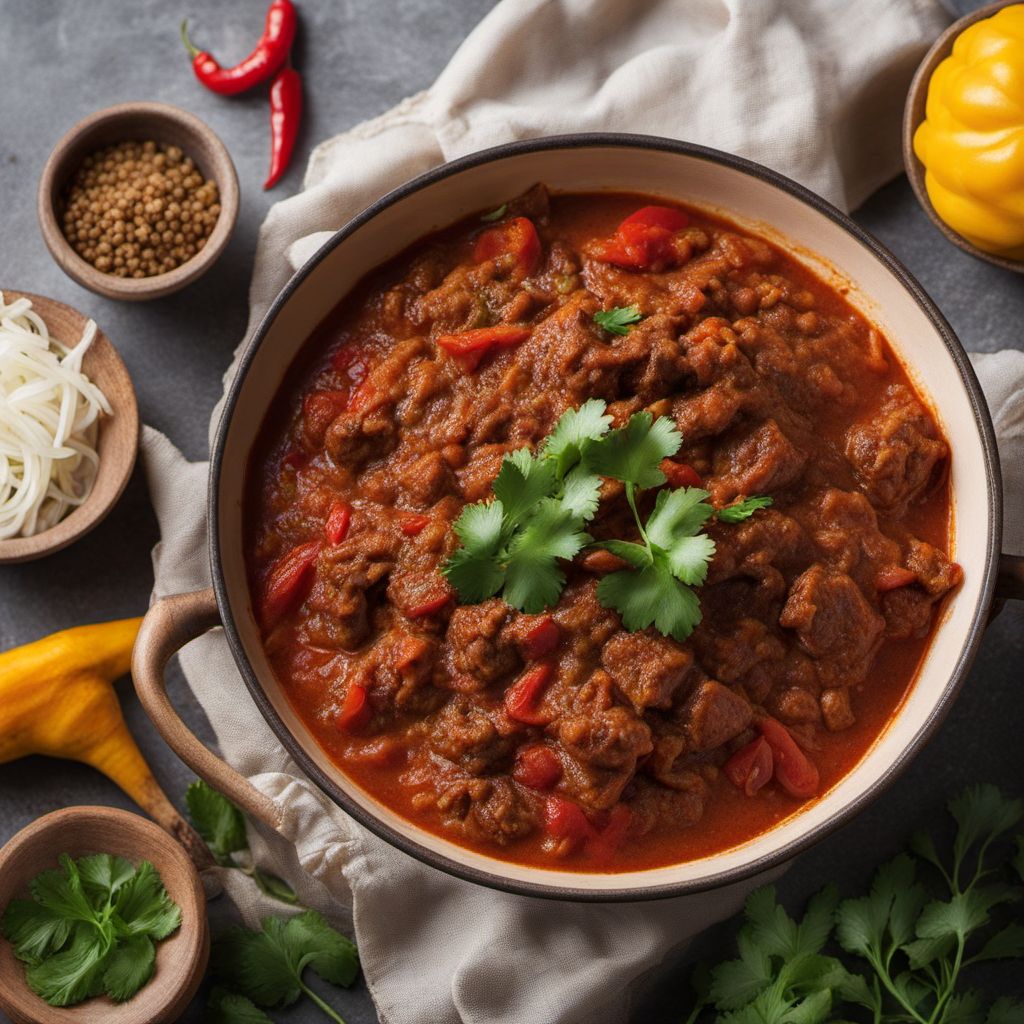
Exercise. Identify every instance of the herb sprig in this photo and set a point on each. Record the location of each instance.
(91, 928)
(513, 544)
(619, 320)
(910, 942)
(222, 827)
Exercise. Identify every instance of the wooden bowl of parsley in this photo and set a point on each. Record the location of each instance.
(103, 920)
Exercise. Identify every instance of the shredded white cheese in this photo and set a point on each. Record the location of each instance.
(48, 423)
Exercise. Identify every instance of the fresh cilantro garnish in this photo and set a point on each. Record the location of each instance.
(90, 928)
(514, 544)
(741, 510)
(222, 827)
(266, 967)
(494, 215)
(910, 942)
(619, 320)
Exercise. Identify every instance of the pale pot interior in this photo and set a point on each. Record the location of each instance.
(766, 209)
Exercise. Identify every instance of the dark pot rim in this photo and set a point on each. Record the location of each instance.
(715, 880)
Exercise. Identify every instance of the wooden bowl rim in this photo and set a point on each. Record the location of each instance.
(49, 835)
(115, 467)
(913, 115)
(205, 147)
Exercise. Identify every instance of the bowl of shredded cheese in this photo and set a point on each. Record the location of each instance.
(69, 426)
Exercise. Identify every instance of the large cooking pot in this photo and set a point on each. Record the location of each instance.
(825, 239)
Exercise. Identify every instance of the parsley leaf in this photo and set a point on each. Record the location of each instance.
(619, 320)
(90, 928)
(267, 966)
(222, 827)
(632, 453)
(742, 509)
(489, 218)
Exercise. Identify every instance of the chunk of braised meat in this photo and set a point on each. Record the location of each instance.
(658, 807)
(660, 360)
(603, 742)
(763, 461)
(836, 709)
(908, 609)
(398, 670)
(795, 705)
(739, 649)
(647, 668)
(713, 715)
(487, 809)
(479, 740)
(339, 612)
(833, 623)
(475, 652)
(895, 453)
(585, 626)
(671, 761)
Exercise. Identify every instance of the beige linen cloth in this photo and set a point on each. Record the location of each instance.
(812, 88)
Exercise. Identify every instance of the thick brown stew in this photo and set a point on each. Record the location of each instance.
(641, 751)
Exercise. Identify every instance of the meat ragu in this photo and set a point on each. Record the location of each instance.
(562, 739)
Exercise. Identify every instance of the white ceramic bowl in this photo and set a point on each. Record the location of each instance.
(755, 197)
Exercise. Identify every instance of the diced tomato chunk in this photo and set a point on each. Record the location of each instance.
(658, 217)
(523, 697)
(537, 767)
(541, 638)
(413, 524)
(893, 578)
(517, 238)
(288, 583)
(679, 474)
(565, 820)
(354, 713)
(471, 346)
(429, 607)
(338, 520)
(795, 772)
(750, 768)
(320, 409)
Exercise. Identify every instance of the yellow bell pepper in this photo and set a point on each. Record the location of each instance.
(972, 139)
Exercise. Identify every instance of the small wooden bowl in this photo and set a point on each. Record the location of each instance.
(913, 115)
(180, 959)
(117, 439)
(124, 122)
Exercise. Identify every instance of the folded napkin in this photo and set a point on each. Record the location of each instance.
(809, 87)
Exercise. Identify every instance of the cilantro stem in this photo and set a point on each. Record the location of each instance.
(327, 1009)
(631, 498)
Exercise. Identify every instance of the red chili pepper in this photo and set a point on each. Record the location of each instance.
(289, 582)
(516, 238)
(643, 239)
(525, 694)
(679, 474)
(355, 711)
(537, 767)
(413, 524)
(429, 607)
(541, 638)
(795, 772)
(266, 59)
(566, 821)
(338, 520)
(471, 346)
(285, 114)
(751, 767)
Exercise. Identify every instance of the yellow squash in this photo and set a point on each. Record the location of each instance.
(972, 139)
(57, 698)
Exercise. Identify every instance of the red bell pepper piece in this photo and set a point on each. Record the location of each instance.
(643, 238)
(355, 711)
(795, 772)
(429, 607)
(679, 474)
(472, 346)
(288, 583)
(537, 767)
(609, 838)
(524, 695)
(517, 238)
(750, 768)
(666, 217)
(320, 409)
(564, 820)
(541, 638)
(893, 578)
(338, 520)
(413, 524)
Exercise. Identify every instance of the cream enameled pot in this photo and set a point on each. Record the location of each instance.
(769, 204)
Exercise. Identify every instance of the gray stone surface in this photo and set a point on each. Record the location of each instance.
(60, 61)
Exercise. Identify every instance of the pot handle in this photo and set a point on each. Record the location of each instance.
(1010, 580)
(170, 624)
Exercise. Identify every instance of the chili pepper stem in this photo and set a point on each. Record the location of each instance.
(193, 50)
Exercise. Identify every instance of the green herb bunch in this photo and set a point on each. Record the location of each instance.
(909, 944)
(91, 928)
(513, 544)
(222, 827)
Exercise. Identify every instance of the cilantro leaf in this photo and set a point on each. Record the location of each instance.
(574, 429)
(637, 555)
(62, 893)
(217, 820)
(331, 955)
(672, 530)
(225, 1007)
(533, 579)
(129, 966)
(581, 493)
(632, 453)
(103, 875)
(982, 813)
(475, 569)
(651, 596)
(33, 930)
(619, 320)
(521, 482)
(742, 509)
(1005, 1011)
(143, 906)
(489, 218)
(73, 974)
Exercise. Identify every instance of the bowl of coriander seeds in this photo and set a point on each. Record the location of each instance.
(138, 200)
